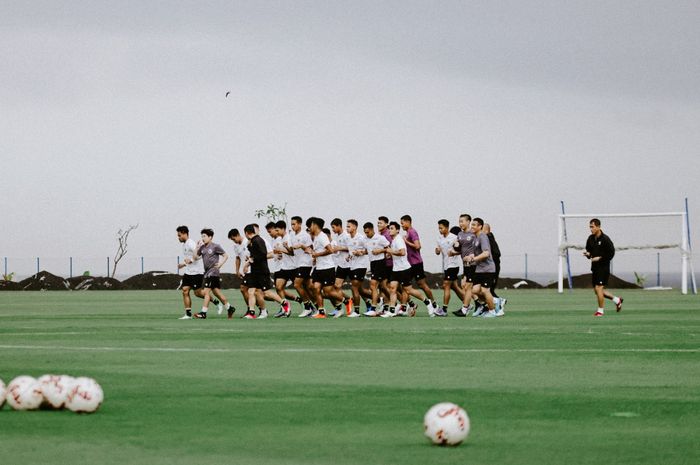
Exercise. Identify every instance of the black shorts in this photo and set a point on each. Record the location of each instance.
(193, 281)
(325, 277)
(403, 277)
(379, 270)
(358, 274)
(212, 282)
(417, 271)
(303, 272)
(259, 281)
(484, 279)
(451, 274)
(342, 273)
(245, 279)
(284, 274)
(600, 276)
(469, 273)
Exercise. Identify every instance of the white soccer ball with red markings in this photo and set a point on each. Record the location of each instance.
(55, 389)
(446, 424)
(3, 392)
(86, 396)
(24, 393)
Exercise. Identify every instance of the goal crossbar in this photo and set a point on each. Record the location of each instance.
(619, 215)
(569, 245)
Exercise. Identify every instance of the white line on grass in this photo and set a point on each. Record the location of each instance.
(624, 414)
(345, 350)
(171, 330)
(46, 333)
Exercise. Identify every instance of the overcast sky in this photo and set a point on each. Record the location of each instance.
(114, 113)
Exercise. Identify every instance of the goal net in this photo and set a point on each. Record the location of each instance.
(645, 244)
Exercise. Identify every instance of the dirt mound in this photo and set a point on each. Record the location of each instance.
(84, 283)
(44, 281)
(434, 281)
(153, 280)
(230, 281)
(583, 281)
(9, 286)
(165, 280)
(509, 283)
(146, 281)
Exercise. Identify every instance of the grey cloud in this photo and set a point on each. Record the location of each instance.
(646, 49)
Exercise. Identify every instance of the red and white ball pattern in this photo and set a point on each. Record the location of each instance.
(446, 424)
(86, 396)
(55, 389)
(24, 393)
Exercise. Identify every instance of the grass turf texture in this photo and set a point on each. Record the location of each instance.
(547, 384)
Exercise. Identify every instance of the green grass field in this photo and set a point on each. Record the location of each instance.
(547, 384)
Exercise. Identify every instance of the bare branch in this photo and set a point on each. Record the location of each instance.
(122, 249)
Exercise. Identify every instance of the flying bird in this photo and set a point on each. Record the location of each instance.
(228, 93)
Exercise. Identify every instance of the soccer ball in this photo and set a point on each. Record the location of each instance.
(3, 392)
(24, 393)
(55, 390)
(86, 396)
(446, 424)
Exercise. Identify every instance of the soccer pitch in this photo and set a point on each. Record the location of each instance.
(546, 384)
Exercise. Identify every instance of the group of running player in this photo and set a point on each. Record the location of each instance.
(318, 261)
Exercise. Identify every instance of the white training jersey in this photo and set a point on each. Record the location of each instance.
(301, 258)
(288, 262)
(336, 255)
(326, 261)
(358, 243)
(376, 242)
(272, 263)
(241, 251)
(400, 261)
(446, 244)
(277, 257)
(189, 248)
(341, 257)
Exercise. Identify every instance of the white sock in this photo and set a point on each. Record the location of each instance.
(228, 305)
(204, 309)
(616, 300)
(601, 310)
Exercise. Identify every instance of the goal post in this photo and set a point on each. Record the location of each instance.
(682, 243)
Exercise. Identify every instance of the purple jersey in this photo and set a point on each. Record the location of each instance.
(389, 261)
(414, 257)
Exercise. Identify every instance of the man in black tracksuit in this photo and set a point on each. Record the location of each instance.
(600, 250)
(259, 282)
(496, 254)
